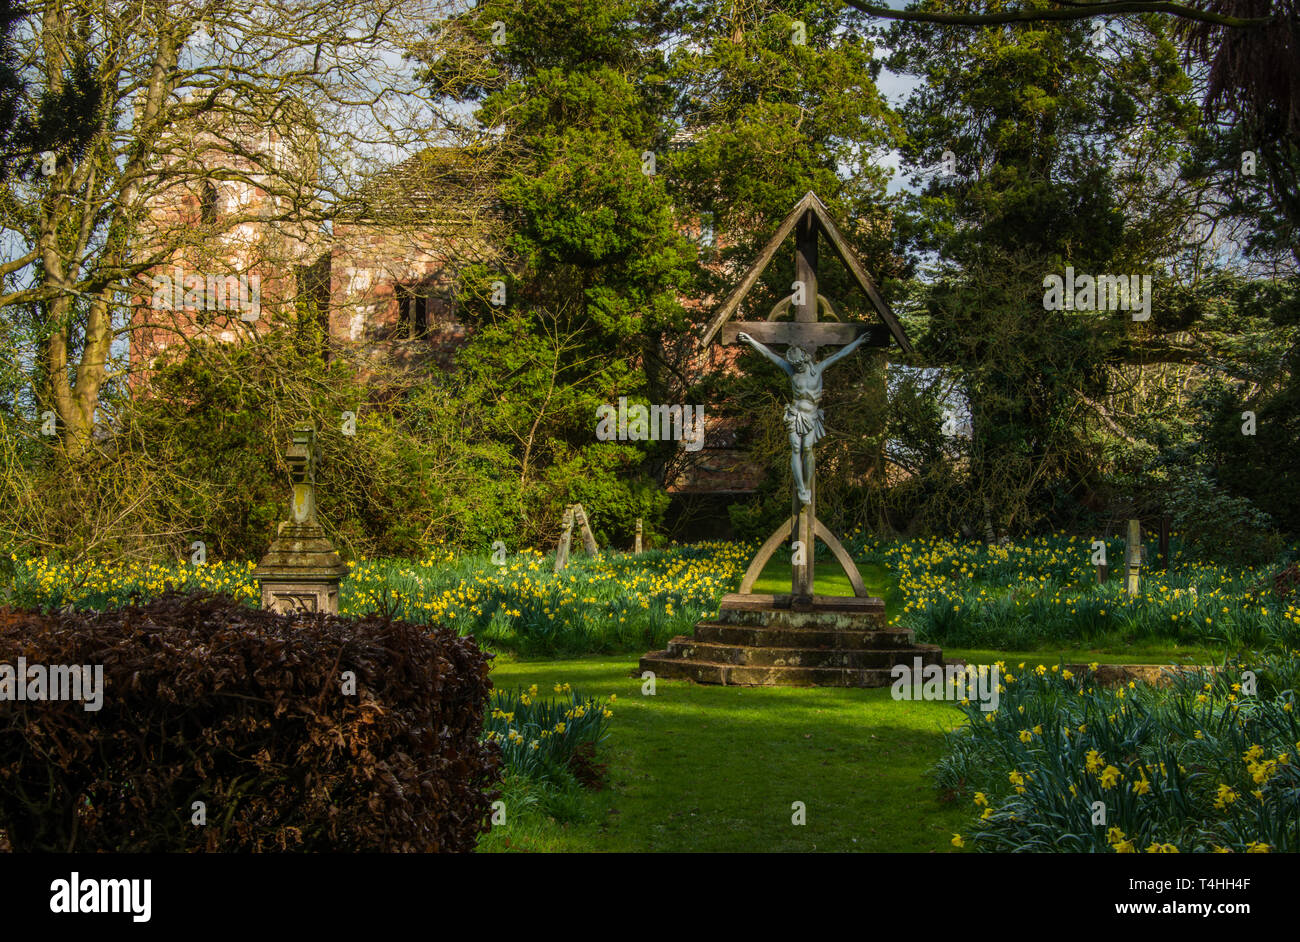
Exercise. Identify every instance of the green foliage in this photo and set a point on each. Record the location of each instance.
(1252, 327)
(594, 263)
(531, 404)
(613, 602)
(1220, 525)
(1016, 596)
(1044, 129)
(770, 119)
(221, 423)
(493, 452)
(1043, 592)
(1022, 369)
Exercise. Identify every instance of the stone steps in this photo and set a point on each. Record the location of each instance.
(709, 672)
(693, 649)
(717, 632)
(825, 641)
(822, 611)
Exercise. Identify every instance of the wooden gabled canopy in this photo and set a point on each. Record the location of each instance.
(810, 217)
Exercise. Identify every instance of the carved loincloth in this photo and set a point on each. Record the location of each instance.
(803, 423)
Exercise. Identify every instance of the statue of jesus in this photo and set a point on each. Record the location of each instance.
(803, 417)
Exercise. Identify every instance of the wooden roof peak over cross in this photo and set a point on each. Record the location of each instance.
(807, 220)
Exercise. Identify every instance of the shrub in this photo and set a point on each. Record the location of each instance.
(1220, 525)
(209, 700)
(196, 454)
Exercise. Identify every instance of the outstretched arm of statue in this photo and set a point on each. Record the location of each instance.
(779, 361)
(844, 351)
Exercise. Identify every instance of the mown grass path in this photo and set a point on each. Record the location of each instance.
(697, 768)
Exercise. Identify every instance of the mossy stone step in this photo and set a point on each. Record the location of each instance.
(718, 632)
(773, 640)
(818, 611)
(665, 666)
(692, 649)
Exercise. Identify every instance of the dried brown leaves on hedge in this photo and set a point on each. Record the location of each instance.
(206, 700)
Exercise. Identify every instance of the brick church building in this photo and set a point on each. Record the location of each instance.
(249, 244)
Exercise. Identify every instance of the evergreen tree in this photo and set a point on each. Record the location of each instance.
(574, 93)
(1053, 145)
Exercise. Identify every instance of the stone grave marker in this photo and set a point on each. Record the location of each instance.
(301, 571)
(574, 513)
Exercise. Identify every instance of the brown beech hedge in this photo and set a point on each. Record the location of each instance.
(206, 700)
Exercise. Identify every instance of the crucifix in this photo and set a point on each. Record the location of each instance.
(802, 337)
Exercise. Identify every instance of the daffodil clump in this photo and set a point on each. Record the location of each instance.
(609, 603)
(542, 733)
(1021, 594)
(45, 584)
(1210, 762)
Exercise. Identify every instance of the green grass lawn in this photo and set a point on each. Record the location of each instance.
(698, 768)
(830, 579)
(1153, 653)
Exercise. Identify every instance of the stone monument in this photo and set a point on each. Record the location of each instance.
(800, 638)
(301, 571)
(574, 513)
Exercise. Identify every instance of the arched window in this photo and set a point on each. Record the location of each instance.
(208, 204)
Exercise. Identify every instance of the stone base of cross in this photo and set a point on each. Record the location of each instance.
(807, 221)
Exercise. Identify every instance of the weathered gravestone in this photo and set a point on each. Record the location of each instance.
(301, 571)
(1135, 557)
(574, 513)
(800, 638)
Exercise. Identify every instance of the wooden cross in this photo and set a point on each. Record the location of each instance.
(805, 330)
(809, 220)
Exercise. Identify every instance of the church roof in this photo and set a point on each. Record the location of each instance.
(450, 185)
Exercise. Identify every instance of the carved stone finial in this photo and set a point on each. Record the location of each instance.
(302, 458)
(302, 455)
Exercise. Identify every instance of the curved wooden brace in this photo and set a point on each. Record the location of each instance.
(767, 550)
(842, 555)
(764, 554)
(823, 307)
